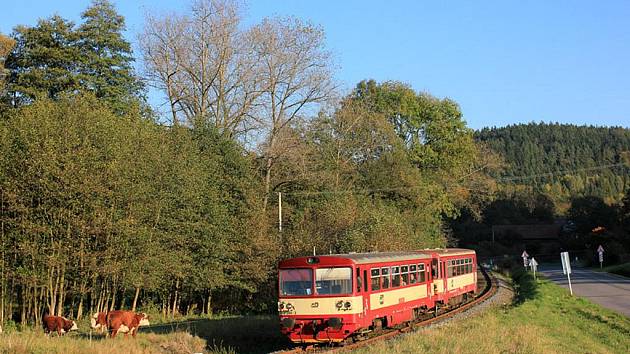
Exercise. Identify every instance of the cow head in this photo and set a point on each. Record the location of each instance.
(69, 325)
(143, 319)
(93, 323)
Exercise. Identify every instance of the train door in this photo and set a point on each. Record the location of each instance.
(362, 289)
(437, 275)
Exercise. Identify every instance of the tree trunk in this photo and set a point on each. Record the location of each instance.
(268, 166)
(135, 299)
(175, 297)
(80, 309)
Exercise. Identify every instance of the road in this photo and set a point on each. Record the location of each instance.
(609, 290)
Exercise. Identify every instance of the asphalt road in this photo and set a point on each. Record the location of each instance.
(609, 290)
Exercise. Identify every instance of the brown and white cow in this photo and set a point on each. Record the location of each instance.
(58, 324)
(99, 321)
(126, 322)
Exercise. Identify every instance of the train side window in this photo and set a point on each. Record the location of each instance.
(413, 276)
(365, 281)
(421, 273)
(385, 277)
(395, 277)
(404, 273)
(359, 283)
(375, 279)
(434, 269)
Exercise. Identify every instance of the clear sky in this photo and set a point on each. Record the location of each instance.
(504, 61)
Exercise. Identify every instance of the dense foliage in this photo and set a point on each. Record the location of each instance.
(563, 161)
(56, 57)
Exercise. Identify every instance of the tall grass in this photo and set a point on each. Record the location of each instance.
(223, 335)
(77, 343)
(544, 319)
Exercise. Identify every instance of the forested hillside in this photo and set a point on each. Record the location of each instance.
(563, 161)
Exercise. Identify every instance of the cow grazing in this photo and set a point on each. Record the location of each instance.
(99, 321)
(58, 324)
(126, 322)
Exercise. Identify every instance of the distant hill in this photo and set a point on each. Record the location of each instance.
(582, 160)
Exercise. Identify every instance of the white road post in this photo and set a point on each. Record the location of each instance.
(279, 211)
(600, 250)
(534, 265)
(524, 255)
(566, 268)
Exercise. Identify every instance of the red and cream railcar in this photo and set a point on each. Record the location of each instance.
(332, 297)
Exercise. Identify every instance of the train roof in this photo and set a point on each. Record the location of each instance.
(448, 251)
(376, 257)
(394, 256)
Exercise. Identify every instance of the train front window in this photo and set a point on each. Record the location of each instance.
(333, 281)
(296, 282)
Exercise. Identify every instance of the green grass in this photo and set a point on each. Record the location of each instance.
(34, 341)
(543, 319)
(222, 334)
(620, 269)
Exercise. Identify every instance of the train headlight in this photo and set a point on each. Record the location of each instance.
(347, 305)
(339, 304)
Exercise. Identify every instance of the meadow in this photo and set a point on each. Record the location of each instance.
(220, 334)
(544, 319)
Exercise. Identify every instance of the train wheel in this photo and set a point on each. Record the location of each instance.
(378, 324)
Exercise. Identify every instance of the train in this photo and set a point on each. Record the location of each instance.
(339, 297)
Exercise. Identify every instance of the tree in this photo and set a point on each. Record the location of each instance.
(106, 57)
(54, 58)
(435, 138)
(590, 212)
(43, 62)
(624, 213)
(296, 70)
(204, 64)
(6, 45)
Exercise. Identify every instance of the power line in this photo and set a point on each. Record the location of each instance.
(500, 179)
(565, 172)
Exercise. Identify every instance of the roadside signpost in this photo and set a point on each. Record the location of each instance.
(534, 265)
(600, 250)
(524, 255)
(566, 267)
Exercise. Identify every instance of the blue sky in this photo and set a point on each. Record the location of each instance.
(504, 62)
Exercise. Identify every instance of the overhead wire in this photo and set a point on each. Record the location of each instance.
(500, 179)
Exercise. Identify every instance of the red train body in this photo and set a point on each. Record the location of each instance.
(332, 297)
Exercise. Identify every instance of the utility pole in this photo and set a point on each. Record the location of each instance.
(280, 211)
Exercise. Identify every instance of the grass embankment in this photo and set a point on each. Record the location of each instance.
(254, 334)
(620, 269)
(543, 319)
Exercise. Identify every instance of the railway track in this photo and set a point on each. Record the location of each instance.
(488, 282)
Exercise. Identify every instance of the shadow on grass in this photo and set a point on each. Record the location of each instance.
(253, 334)
(524, 285)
